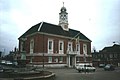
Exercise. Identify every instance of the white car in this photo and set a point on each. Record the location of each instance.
(85, 68)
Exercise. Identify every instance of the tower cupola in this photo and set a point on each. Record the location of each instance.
(63, 18)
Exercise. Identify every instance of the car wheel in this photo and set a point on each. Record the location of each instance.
(94, 70)
(79, 71)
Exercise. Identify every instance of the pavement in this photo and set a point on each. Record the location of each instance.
(73, 74)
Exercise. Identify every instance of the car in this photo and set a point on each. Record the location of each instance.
(85, 68)
(1, 69)
(3, 61)
(101, 65)
(9, 63)
(109, 67)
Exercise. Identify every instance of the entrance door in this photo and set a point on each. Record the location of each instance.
(71, 61)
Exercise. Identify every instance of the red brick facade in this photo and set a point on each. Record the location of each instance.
(41, 46)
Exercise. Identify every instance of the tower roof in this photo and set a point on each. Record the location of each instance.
(63, 9)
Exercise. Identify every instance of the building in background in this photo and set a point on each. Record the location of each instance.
(55, 45)
(108, 55)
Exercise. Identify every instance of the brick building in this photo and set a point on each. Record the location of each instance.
(55, 45)
(108, 55)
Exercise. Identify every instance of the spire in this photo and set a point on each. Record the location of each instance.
(63, 4)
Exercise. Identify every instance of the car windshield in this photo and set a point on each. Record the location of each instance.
(87, 66)
(108, 65)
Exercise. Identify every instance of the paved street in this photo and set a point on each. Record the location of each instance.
(72, 74)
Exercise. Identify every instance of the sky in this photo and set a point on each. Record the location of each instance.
(99, 20)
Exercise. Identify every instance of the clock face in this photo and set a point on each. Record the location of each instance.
(63, 17)
(65, 26)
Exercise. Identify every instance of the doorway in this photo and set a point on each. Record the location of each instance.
(71, 61)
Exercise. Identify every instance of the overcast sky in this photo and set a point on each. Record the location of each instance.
(99, 20)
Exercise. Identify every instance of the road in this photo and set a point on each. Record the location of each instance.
(72, 74)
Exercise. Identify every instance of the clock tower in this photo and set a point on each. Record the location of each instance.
(63, 18)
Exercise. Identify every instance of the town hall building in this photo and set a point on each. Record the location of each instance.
(55, 45)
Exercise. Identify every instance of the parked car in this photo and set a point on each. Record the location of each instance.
(3, 61)
(9, 63)
(101, 65)
(85, 68)
(109, 67)
(1, 68)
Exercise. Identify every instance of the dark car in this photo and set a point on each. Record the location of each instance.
(109, 67)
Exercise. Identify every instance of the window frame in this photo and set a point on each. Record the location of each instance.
(78, 48)
(50, 50)
(31, 45)
(49, 59)
(70, 48)
(61, 47)
(85, 49)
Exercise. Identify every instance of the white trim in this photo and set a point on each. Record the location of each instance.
(50, 51)
(70, 46)
(78, 46)
(45, 54)
(49, 59)
(40, 26)
(85, 49)
(61, 59)
(31, 46)
(50, 65)
(62, 47)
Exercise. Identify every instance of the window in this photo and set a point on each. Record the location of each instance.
(85, 49)
(115, 55)
(56, 59)
(50, 46)
(78, 59)
(31, 45)
(49, 59)
(61, 59)
(21, 46)
(61, 47)
(111, 55)
(70, 46)
(78, 47)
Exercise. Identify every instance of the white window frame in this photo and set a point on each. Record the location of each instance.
(50, 51)
(56, 60)
(61, 47)
(49, 59)
(70, 48)
(31, 46)
(78, 48)
(61, 59)
(85, 49)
